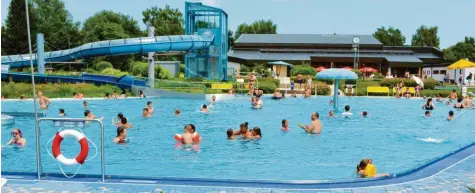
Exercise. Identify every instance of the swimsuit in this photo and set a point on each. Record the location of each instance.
(430, 107)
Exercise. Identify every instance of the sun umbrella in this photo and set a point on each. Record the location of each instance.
(461, 64)
(321, 68)
(367, 70)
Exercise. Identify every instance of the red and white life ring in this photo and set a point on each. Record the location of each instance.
(81, 157)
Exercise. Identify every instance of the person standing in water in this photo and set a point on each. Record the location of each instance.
(467, 102)
(145, 112)
(150, 107)
(258, 104)
(204, 109)
(453, 95)
(451, 116)
(427, 113)
(429, 105)
(115, 95)
(285, 125)
(121, 136)
(347, 112)
(44, 101)
(315, 127)
(61, 113)
(17, 139)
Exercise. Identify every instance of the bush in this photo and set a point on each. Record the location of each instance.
(304, 69)
(268, 87)
(322, 88)
(378, 76)
(276, 82)
(245, 68)
(140, 69)
(102, 65)
(391, 82)
(113, 72)
(182, 68)
(161, 73)
(430, 83)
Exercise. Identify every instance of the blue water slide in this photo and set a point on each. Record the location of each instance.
(140, 45)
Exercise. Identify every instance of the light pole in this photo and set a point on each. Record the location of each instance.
(356, 49)
(37, 129)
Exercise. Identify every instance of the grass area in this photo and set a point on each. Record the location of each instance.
(57, 90)
(472, 190)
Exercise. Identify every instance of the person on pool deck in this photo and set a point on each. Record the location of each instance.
(467, 102)
(61, 113)
(213, 100)
(315, 127)
(308, 93)
(150, 107)
(230, 134)
(107, 96)
(459, 104)
(427, 114)
(121, 136)
(429, 105)
(146, 113)
(300, 80)
(258, 104)
(364, 114)
(451, 116)
(331, 114)
(44, 101)
(17, 139)
(204, 109)
(141, 95)
(407, 94)
(124, 123)
(115, 95)
(177, 112)
(347, 111)
(84, 104)
(285, 125)
(366, 169)
(453, 95)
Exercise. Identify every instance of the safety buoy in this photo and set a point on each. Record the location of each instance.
(80, 158)
(196, 137)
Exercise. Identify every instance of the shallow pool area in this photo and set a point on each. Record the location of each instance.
(396, 135)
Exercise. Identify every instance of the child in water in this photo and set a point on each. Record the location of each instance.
(187, 137)
(230, 134)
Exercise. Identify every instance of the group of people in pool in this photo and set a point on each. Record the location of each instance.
(461, 103)
(244, 132)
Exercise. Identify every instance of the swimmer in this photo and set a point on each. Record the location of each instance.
(80, 95)
(429, 105)
(88, 114)
(453, 95)
(366, 169)
(61, 113)
(467, 102)
(459, 104)
(424, 97)
(141, 95)
(258, 103)
(204, 109)
(230, 134)
(448, 103)
(285, 125)
(177, 112)
(17, 139)
(124, 124)
(451, 116)
(22, 97)
(115, 95)
(123, 94)
(119, 117)
(364, 114)
(75, 95)
(277, 95)
(427, 113)
(145, 113)
(84, 104)
(193, 131)
(439, 98)
(293, 95)
(315, 127)
(107, 96)
(213, 100)
(44, 101)
(121, 136)
(347, 111)
(331, 113)
(330, 102)
(243, 129)
(255, 133)
(187, 137)
(150, 107)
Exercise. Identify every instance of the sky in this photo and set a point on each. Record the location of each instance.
(455, 19)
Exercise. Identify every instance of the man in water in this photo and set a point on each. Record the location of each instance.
(364, 114)
(115, 95)
(467, 102)
(61, 113)
(258, 103)
(150, 107)
(451, 116)
(315, 127)
(347, 111)
(44, 101)
(204, 109)
(453, 95)
(427, 114)
(84, 104)
(121, 136)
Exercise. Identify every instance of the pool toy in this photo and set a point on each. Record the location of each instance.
(80, 158)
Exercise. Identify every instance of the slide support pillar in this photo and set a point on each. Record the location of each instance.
(40, 53)
(151, 61)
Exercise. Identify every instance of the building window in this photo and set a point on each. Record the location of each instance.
(436, 71)
(443, 71)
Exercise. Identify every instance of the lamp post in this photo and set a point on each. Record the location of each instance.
(356, 50)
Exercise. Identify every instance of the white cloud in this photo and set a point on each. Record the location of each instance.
(212, 3)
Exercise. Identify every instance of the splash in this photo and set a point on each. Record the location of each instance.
(431, 140)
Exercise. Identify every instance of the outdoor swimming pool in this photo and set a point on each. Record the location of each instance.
(396, 135)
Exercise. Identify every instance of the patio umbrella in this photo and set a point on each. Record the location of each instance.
(321, 68)
(461, 64)
(336, 74)
(367, 70)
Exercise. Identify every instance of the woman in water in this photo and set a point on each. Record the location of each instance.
(17, 138)
(124, 124)
(331, 113)
(429, 105)
(121, 136)
(107, 96)
(459, 104)
(141, 95)
(366, 169)
(255, 133)
(123, 94)
(285, 125)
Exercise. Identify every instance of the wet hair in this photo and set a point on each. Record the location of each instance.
(347, 107)
(149, 102)
(140, 92)
(362, 165)
(61, 111)
(451, 113)
(84, 102)
(283, 122)
(244, 126)
(123, 91)
(120, 130)
(19, 132)
(230, 133)
(123, 120)
(365, 113)
(74, 93)
(459, 100)
(427, 112)
(177, 111)
(22, 97)
(428, 101)
(120, 115)
(86, 113)
(453, 90)
(257, 130)
(145, 109)
(205, 106)
(193, 128)
(316, 114)
(107, 94)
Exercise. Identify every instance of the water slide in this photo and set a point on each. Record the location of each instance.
(141, 45)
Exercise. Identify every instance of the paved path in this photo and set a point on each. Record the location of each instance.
(453, 179)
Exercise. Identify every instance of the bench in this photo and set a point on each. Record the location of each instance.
(412, 90)
(377, 89)
(221, 86)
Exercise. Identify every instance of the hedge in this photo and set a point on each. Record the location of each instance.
(102, 65)
(304, 69)
(141, 69)
(322, 88)
(408, 82)
(113, 72)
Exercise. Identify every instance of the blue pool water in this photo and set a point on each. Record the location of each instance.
(396, 135)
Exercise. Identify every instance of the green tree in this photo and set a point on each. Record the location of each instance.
(108, 25)
(14, 34)
(461, 50)
(230, 39)
(167, 21)
(390, 36)
(426, 36)
(257, 27)
(57, 25)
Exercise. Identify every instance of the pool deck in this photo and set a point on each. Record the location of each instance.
(451, 173)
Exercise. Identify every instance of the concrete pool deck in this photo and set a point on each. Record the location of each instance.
(452, 173)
